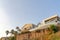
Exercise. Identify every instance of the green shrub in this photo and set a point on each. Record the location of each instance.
(54, 28)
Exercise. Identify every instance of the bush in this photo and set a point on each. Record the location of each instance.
(54, 28)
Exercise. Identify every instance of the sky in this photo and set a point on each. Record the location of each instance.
(19, 12)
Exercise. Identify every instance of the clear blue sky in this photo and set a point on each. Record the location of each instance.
(19, 12)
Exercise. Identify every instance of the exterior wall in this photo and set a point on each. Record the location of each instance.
(40, 35)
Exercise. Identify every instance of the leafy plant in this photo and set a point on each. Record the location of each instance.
(54, 28)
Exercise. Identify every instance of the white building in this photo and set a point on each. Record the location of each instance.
(51, 20)
(48, 21)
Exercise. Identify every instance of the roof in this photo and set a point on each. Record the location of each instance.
(51, 17)
(28, 26)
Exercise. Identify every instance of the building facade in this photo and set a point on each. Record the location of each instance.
(39, 32)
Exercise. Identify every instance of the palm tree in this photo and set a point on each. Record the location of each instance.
(15, 34)
(7, 32)
(12, 31)
(18, 29)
